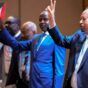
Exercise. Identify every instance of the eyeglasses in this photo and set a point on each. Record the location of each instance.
(9, 22)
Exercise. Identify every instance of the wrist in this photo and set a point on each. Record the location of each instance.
(52, 22)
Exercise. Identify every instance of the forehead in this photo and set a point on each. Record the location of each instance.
(44, 15)
(27, 27)
(26, 30)
(11, 19)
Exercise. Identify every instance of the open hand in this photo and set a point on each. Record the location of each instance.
(51, 13)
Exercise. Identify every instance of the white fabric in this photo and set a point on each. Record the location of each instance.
(0, 11)
(22, 64)
(74, 80)
(17, 34)
(80, 58)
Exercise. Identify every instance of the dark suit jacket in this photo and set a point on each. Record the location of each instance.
(43, 72)
(74, 43)
(13, 74)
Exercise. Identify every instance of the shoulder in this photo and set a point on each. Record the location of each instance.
(79, 34)
(36, 36)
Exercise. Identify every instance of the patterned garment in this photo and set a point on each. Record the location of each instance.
(7, 57)
(24, 65)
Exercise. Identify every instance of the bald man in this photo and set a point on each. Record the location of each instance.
(12, 26)
(44, 68)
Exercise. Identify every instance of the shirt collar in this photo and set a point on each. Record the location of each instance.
(47, 33)
(17, 34)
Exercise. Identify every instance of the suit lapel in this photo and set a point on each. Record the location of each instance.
(41, 43)
(36, 44)
(79, 47)
(85, 57)
(36, 41)
(79, 44)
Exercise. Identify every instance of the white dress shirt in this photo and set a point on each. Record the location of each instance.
(80, 58)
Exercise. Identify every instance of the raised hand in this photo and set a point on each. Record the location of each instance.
(51, 12)
(52, 6)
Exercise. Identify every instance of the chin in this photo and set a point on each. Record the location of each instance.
(82, 30)
(43, 28)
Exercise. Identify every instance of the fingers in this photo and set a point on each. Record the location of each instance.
(51, 3)
(49, 9)
(54, 4)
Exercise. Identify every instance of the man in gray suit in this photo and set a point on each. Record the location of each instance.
(76, 73)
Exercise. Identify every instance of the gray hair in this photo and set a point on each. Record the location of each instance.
(30, 25)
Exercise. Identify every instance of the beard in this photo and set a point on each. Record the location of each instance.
(44, 27)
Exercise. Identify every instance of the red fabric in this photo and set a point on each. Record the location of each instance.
(3, 12)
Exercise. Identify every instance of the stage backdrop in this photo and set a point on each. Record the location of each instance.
(67, 12)
(85, 4)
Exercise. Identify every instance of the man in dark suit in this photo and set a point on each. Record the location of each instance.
(13, 26)
(46, 56)
(20, 62)
(76, 73)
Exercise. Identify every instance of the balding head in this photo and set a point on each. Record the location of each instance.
(13, 24)
(13, 19)
(30, 26)
(44, 21)
(45, 12)
(29, 29)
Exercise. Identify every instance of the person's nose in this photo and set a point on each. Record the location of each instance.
(42, 21)
(81, 21)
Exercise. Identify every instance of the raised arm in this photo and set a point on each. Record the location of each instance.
(7, 39)
(54, 31)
